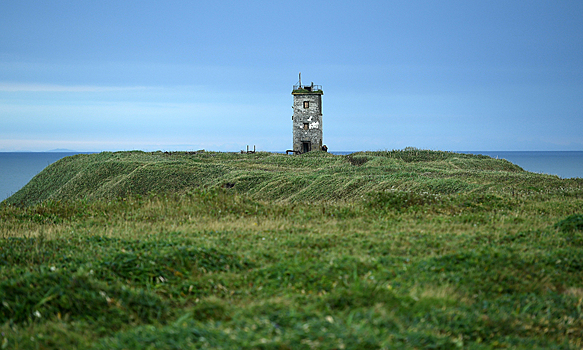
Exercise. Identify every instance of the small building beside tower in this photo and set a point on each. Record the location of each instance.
(307, 118)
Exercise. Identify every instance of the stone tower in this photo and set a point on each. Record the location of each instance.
(307, 118)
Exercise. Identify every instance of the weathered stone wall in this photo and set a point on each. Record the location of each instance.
(312, 116)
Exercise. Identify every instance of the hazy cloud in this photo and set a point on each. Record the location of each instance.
(27, 87)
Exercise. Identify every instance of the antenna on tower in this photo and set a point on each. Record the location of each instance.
(300, 80)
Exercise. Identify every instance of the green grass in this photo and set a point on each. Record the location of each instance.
(314, 176)
(403, 249)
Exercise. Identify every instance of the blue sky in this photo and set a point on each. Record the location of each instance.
(188, 75)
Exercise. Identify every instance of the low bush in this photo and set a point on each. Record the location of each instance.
(571, 223)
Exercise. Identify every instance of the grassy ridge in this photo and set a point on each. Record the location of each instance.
(274, 177)
(453, 251)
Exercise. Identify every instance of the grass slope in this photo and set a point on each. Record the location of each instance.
(275, 177)
(423, 250)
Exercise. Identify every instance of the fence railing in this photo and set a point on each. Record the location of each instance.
(310, 87)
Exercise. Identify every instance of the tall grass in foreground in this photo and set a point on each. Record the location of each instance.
(212, 268)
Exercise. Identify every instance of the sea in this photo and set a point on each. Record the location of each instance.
(18, 168)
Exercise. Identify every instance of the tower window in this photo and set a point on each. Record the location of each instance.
(306, 126)
(306, 104)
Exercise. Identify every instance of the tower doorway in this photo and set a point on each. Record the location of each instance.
(306, 147)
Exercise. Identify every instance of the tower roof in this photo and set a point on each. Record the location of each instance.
(307, 89)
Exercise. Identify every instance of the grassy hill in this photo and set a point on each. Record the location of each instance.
(403, 249)
(313, 176)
